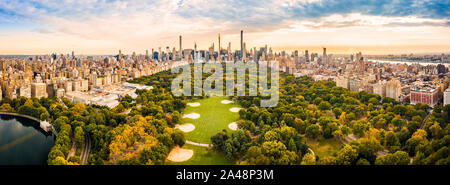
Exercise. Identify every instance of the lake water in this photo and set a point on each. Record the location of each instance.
(23, 142)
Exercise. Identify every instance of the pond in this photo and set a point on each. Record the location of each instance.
(23, 142)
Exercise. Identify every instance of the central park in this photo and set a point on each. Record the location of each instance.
(314, 122)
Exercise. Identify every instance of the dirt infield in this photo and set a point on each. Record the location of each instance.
(191, 116)
(235, 109)
(187, 127)
(226, 101)
(196, 104)
(233, 126)
(179, 154)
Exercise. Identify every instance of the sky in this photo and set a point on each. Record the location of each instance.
(342, 26)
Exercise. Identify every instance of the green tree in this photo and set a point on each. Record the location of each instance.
(308, 159)
(347, 155)
(398, 158)
(79, 136)
(324, 105)
(312, 131)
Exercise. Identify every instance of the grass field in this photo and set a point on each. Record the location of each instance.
(203, 156)
(214, 117)
(324, 147)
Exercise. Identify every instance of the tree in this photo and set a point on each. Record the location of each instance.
(398, 158)
(324, 105)
(399, 109)
(345, 130)
(418, 138)
(398, 122)
(435, 130)
(218, 140)
(176, 116)
(308, 159)
(288, 119)
(254, 156)
(368, 148)
(166, 140)
(317, 101)
(154, 155)
(278, 153)
(374, 101)
(178, 137)
(363, 161)
(337, 112)
(392, 140)
(79, 136)
(359, 128)
(6, 107)
(346, 155)
(45, 116)
(312, 131)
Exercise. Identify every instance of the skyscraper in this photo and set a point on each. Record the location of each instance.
(244, 54)
(181, 53)
(242, 43)
(306, 55)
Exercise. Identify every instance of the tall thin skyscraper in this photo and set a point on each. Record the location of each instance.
(219, 44)
(306, 55)
(181, 49)
(242, 43)
(244, 53)
(180, 42)
(229, 51)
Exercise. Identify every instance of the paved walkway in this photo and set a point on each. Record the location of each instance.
(425, 120)
(73, 149)
(312, 152)
(198, 144)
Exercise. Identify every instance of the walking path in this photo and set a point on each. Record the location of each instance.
(73, 149)
(425, 120)
(198, 144)
(312, 152)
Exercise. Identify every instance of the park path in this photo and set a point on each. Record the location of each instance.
(312, 152)
(426, 118)
(73, 149)
(198, 144)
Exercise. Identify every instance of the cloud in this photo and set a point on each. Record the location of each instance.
(140, 23)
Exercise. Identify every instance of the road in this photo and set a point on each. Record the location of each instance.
(425, 120)
(85, 150)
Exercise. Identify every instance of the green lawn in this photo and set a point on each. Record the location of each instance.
(324, 147)
(214, 117)
(203, 156)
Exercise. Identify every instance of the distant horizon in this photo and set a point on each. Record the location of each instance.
(336, 50)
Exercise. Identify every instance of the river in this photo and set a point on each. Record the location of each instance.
(408, 62)
(23, 142)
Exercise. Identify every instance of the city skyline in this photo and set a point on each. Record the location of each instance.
(344, 27)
